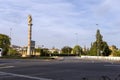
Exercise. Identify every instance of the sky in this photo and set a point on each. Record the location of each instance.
(59, 23)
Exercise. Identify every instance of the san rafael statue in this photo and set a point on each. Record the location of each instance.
(29, 35)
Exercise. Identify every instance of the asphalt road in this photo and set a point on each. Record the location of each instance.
(68, 68)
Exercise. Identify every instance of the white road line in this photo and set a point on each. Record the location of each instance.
(113, 65)
(24, 76)
(6, 67)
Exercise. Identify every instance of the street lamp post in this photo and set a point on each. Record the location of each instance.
(76, 38)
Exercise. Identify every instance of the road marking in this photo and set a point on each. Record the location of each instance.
(6, 67)
(113, 65)
(24, 76)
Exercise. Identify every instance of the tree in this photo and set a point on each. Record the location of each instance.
(115, 51)
(45, 52)
(99, 47)
(4, 43)
(77, 50)
(55, 52)
(66, 49)
(85, 51)
(13, 52)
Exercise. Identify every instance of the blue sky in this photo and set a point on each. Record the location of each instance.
(56, 22)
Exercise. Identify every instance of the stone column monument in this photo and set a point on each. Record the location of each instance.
(29, 35)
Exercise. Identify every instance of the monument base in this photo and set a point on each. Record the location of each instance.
(26, 55)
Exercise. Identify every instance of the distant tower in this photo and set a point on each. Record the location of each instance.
(29, 35)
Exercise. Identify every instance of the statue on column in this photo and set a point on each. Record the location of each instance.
(29, 19)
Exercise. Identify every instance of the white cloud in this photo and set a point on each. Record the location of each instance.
(55, 22)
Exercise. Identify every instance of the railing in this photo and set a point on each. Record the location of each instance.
(101, 58)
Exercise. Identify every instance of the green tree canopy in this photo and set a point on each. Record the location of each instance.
(77, 50)
(13, 52)
(4, 43)
(66, 49)
(99, 47)
(115, 51)
(45, 52)
(98, 36)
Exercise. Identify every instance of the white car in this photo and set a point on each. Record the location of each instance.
(1, 50)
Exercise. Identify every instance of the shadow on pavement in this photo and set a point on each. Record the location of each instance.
(102, 78)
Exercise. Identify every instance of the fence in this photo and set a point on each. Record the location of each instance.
(101, 58)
